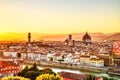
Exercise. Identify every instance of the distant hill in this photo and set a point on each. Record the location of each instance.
(62, 37)
(115, 36)
(75, 36)
(9, 36)
(78, 36)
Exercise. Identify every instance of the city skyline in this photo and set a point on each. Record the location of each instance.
(60, 16)
(79, 39)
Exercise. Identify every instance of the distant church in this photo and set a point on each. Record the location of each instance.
(86, 38)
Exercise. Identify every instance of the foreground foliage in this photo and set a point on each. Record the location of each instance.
(14, 78)
(33, 72)
(49, 77)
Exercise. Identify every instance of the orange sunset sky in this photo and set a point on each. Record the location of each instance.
(58, 16)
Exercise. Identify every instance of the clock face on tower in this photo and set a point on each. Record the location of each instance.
(116, 48)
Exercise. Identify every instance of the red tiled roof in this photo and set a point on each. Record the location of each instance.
(0, 62)
(72, 76)
(67, 79)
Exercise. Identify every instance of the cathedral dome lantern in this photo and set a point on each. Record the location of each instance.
(87, 38)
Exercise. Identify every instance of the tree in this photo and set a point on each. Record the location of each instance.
(49, 77)
(112, 79)
(32, 74)
(23, 72)
(47, 71)
(34, 68)
(14, 78)
(90, 77)
(105, 78)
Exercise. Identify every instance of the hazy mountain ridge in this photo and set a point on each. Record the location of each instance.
(60, 37)
(78, 36)
(115, 36)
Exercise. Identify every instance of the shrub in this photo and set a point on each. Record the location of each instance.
(14, 78)
(49, 77)
(32, 74)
